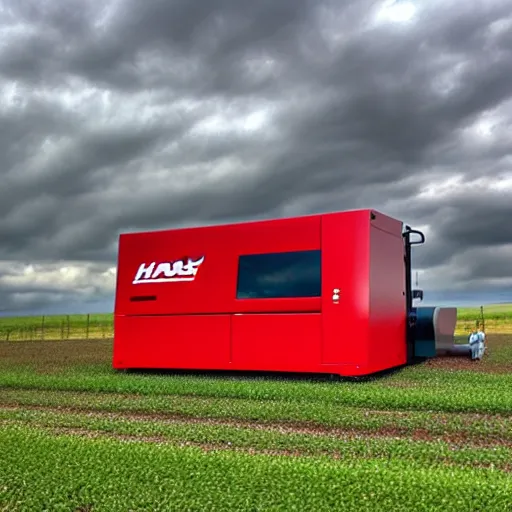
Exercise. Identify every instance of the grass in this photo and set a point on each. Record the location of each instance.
(105, 474)
(490, 311)
(426, 390)
(77, 435)
(270, 439)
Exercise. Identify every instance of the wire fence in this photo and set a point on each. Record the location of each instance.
(491, 322)
(491, 326)
(52, 328)
(91, 326)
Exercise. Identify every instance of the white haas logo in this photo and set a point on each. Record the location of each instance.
(168, 271)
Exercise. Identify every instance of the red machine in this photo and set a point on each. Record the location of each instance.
(323, 293)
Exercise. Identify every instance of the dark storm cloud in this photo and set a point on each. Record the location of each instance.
(469, 218)
(487, 225)
(123, 115)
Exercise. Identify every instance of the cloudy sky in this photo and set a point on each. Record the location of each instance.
(120, 115)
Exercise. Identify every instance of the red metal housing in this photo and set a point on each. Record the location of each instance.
(321, 293)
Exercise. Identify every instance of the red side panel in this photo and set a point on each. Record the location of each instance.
(201, 342)
(277, 342)
(386, 223)
(387, 344)
(213, 288)
(345, 290)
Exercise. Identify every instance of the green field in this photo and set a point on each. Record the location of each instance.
(498, 319)
(491, 312)
(77, 435)
(57, 327)
(495, 310)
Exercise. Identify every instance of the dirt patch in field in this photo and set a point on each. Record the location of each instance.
(455, 439)
(53, 356)
(497, 359)
(50, 356)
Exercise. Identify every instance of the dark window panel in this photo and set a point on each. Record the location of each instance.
(280, 275)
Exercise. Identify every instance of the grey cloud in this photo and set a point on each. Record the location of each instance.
(41, 287)
(467, 230)
(487, 226)
(358, 116)
(489, 266)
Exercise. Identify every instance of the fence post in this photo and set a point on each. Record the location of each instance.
(87, 326)
(483, 318)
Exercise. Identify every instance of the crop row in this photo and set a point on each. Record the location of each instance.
(270, 440)
(86, 367)
(413, 390)
(279, 413)
(106, 474)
